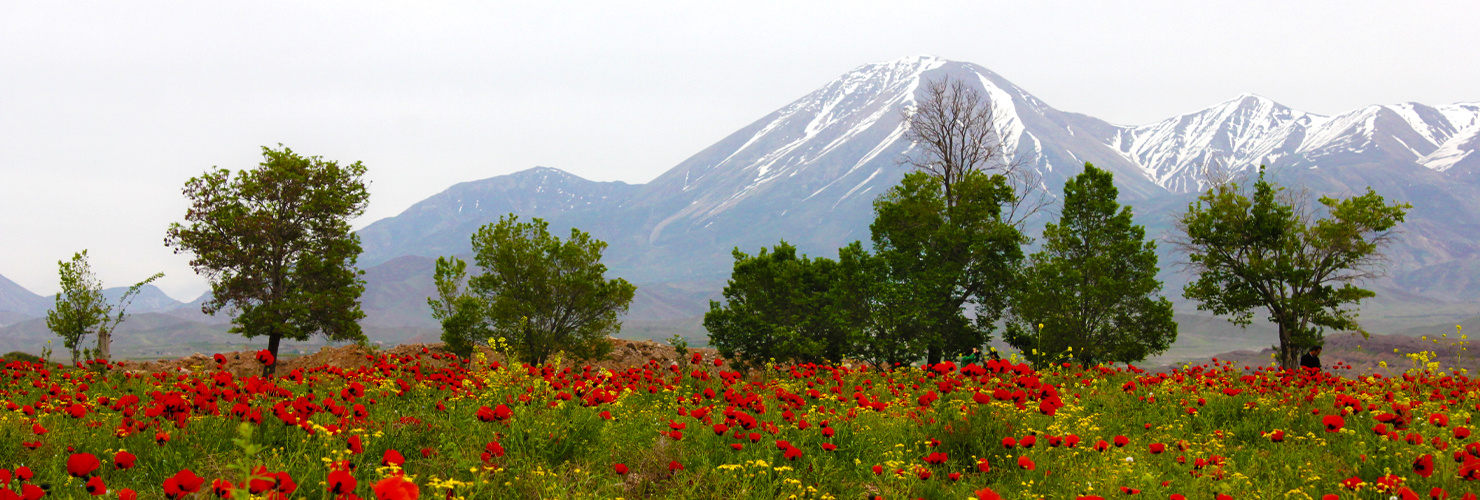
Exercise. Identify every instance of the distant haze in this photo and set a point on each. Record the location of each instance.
(106, 109)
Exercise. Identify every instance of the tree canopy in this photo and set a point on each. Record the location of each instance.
(778, 306)
(275, 244)
(942, 258)
(1266, 248)
(1091, 292)
(540, 294)
(81, 309)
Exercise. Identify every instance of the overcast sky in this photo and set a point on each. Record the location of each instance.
(107, 108)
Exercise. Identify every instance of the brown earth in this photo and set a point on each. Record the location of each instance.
(1367, 354)
(625, 353)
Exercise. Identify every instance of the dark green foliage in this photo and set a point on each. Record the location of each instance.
(943, 254)
(777, 307)
(1265, 249)
(275, 244)
(541, 295)
(464, 323)
(20, 356)
(875, 309)
(1093, 287)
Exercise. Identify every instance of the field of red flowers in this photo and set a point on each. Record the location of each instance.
(429, 425)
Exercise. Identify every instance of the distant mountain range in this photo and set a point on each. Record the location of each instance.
(809, 172)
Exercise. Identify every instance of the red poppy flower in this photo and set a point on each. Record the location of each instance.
(620, 468)
(395, 488)
(674, 465)
(1028, 441)
(182, 483)
(1157, 448)
(1424, 465)
(95, 486)
(38, 430)
(261, 481)
(1333, 423)
(1470, 469)
(161, 438)
(427, 452)
(127, 494)
(1277, 436)
(736, 446)
(220, 359)
(392, 457)
(923, 473)
(792, 453)
(82, 464)
(987, 494)
(878, 470)
(982, 465)
(1009, 442)
(1026, 463)
(1461, 433)
(285, 484)
(222, 488)
(77, 410)
(1101, 445)
(1121, 441)
(829, 447)
(1438, 494)
(356, 446)
(265, 357)
(341, 482)
(124, 460)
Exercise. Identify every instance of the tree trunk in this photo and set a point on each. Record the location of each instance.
(1288, 357)
(105, 341)
(932, 356)
(272, 347)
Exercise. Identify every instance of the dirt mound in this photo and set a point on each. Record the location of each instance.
(625, 353)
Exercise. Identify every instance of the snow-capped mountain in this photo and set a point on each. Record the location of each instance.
(809, 172)
(1249, 131)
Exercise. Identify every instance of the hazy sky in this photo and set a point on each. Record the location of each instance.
(107, 108)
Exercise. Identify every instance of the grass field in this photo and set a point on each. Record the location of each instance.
(449, 428)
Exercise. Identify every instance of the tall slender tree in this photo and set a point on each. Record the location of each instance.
(275, 244)
(1092, 291)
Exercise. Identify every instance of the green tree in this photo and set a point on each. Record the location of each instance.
(461, 314)
(944, 256)
(541, 294)
(1093, 287)
(777, 307)
(1267, 249)
(275, 244)
(874, 310)
(81, 309)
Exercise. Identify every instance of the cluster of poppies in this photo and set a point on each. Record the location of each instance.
(804, 414)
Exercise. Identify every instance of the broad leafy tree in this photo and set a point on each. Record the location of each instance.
(1093, 287)
(275, 244)
(777, 307)
(82, 310)
(875, 310)
(460, 312)
(943, 257)
(540, 294)
(1267, 248)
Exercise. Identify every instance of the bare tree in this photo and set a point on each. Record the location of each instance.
(956, 130)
